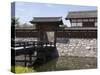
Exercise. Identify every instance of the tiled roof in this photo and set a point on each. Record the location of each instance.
(82, 14)
(46, 19)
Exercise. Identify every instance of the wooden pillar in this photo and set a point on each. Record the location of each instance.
(70, 22)
(41, 35)
(55, 38)
(25, 54)
(30, 58)
(25, 60)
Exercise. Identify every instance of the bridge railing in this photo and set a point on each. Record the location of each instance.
(26, 44)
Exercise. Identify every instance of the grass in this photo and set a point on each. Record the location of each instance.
(21, 69)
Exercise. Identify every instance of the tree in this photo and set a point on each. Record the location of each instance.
(14, 21)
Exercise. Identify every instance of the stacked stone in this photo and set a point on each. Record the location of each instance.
(77, 47)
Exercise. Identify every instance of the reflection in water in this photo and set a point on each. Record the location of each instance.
(68, 63)
(48, 66)
(48, 60)
(45, 56)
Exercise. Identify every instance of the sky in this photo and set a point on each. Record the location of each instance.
(25, 11)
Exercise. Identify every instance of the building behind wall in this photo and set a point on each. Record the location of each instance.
(82, 35)
(83, 18)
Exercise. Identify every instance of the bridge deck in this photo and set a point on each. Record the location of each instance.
(22, 47)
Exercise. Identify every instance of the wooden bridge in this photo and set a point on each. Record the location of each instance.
(31, 49)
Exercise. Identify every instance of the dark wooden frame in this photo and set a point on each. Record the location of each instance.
(95, 20)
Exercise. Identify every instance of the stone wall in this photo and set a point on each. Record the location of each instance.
(81, 47)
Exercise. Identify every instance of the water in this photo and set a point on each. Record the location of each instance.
(69, 63)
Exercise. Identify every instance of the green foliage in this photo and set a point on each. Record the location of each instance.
(22, 69)
(14, 21)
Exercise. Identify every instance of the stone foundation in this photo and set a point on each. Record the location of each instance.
(77, 47)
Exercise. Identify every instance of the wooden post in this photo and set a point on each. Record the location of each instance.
(30, 58)
(25, 55)
(55, 38)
